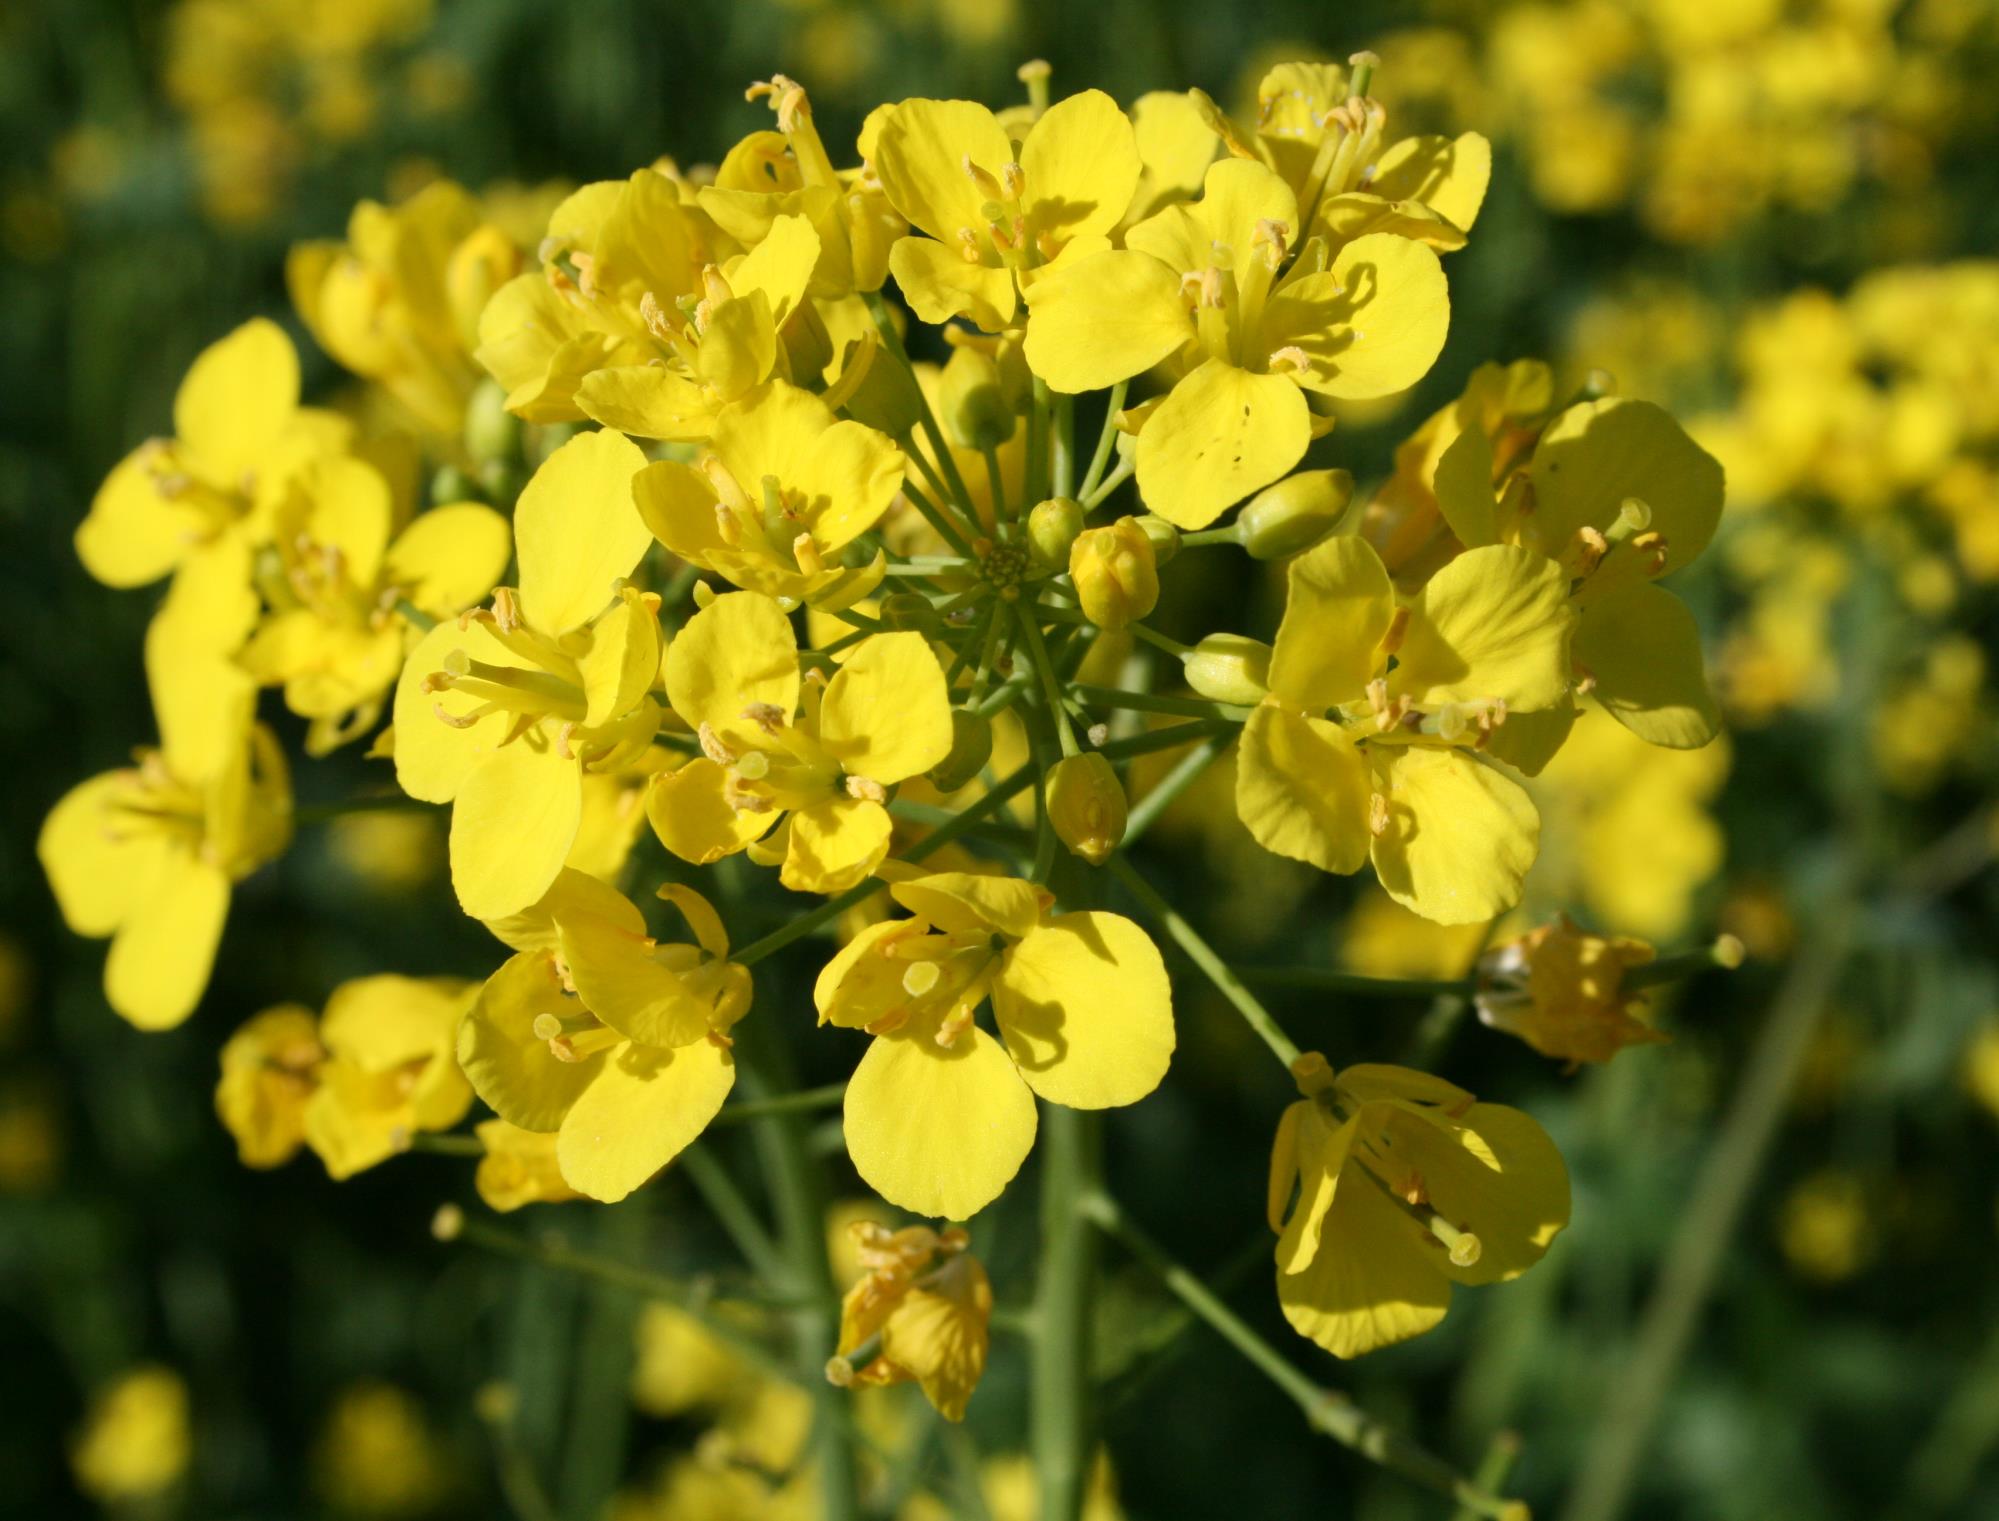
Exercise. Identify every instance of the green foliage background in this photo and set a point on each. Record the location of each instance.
(1877, 1395)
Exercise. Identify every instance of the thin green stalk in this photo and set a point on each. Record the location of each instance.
(599, 1414)
(1228, 535)
(1320, 979)
(1148, 702)
(1725, 954)
(681, 584)
(1061, 1421)
(935, 516)
(1101, 456)
(734, 1212)
(996, 484)
(802, 1102)
(1186, 771)
(1494, 1469)
(977, 641)
(1062, 467)
(798, 1200)
(1325, 1410)
(1707, 1224)
(892, 341)
(1037, 435)
(447, 1145)
(1126, 469)
(1051, 684)
(967, 1482)
(1203, 956)
(371, 802)
(415, 615)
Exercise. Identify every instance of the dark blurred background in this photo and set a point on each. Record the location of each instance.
(1842, 1359)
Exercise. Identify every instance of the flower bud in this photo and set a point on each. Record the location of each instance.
(973, 405)
(1165, 538)
(1231, 668)
(1086, 805)
(1295, 513)
(484, 261)
(886, 397)
(1116, 573)
(1052, 528)
(491, 431)
(451, 484)
(971, 748)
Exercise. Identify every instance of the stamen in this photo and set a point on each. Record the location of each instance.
(866, 789)
(1377, 814)
(988, 186)
(1289, 358)
(767, 716)
(713, 746)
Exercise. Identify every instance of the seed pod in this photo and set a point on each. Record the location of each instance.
(972, 402)
(1116, 573)
(971, 748)
(1086, 804)
(1052, 528)
(1231, 668)
(1295, 513)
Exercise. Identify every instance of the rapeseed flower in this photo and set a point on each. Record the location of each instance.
(922, 1309)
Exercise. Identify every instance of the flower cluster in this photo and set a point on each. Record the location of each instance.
(708, 555)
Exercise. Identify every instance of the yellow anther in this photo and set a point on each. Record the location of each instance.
(1012, 182)
(806, 553)
(653, 315)
(988, 186)
(506, 609)
(1272, 240)
(713, 746)
(1290, 358)
(953, 1029)
(866, 789)
(1377, 814)
(970, 249)
(1214, 292)
(767, 716)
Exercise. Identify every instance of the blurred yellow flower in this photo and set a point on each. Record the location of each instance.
(377, 1454)
(1561, 990)
(137, 1439)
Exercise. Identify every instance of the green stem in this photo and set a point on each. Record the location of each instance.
(996, 484)
(1325, 980)
(1051, 684)
(1126, 469)
(1147, 702)
(802, 1102)
(892, 341)
(1203, 956)
(1229, 535)
(711, 1179)
(447, 1145)
(1060, 1421)
(1325, 1410)
(415, 615)
(1062, 468)
(1186, 771)
(934, 515)
(1494, 1469)
(1105, 439)
(1725, 954)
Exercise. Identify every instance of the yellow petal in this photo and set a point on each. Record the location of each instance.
(834, 845)
(678, 504)
(1449, 175)
(1464, 489)
(99, 866)
(1373, 1281)
(1080, 163)
(578, 530)
(1342, 218)
(1302, 790)
(1642, 646)
(236, 399)
(620, 982)
(1528, 741)
(939, 284)
(920, 154)
(1599, 453)
(165, 948)
(513, 1071)
(1460, 835)
(937, 1130)
(887, 714)
(736, 653)
(1492, 624)
(1175, 147)
(941, 1339)
(972, 903)
(642, 1109)
(1221, 434)
(1086, 1011)
(350, 511)
(839, 477)
(780, 266)
(450, 557)
(433, 758)
(572, 894)
(1221, 228)
(511, 826)
(623, 659)
(646, 400)
(1371, 325)
(690, 812)
(1338, 605)
(1094, 321)
(134, 533)
(1322, 1150)
(1491, 1171)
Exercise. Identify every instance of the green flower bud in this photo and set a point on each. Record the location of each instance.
(1086, 804)
(482, 262)
(491, 431)
(1295, 513)
(886, 398)
(1052, 528)
(450, 484)
(1116, 573)
(909, 611)
(1231, 668)
(972, 401)
(1165, 537)
(971, 748)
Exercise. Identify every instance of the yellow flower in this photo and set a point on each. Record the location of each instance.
(1214, 288)
(1561, 990)
(398, 302)
(1387, 1186)
(148, 855)
(1826, 1228)
(1011, 1487)
(377, 1455)
(1398, 776)
(240, 435)
(994, 214)
(135, 1443)
(604, 1037)
(270, 1068)
(823, 766)
(922, 1311)
(388, 1071)
(939, 1115)
(1618, 495)
(502, 712)
(681, 1365)
(785, 488)
(518, 1167)
(332, 636)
